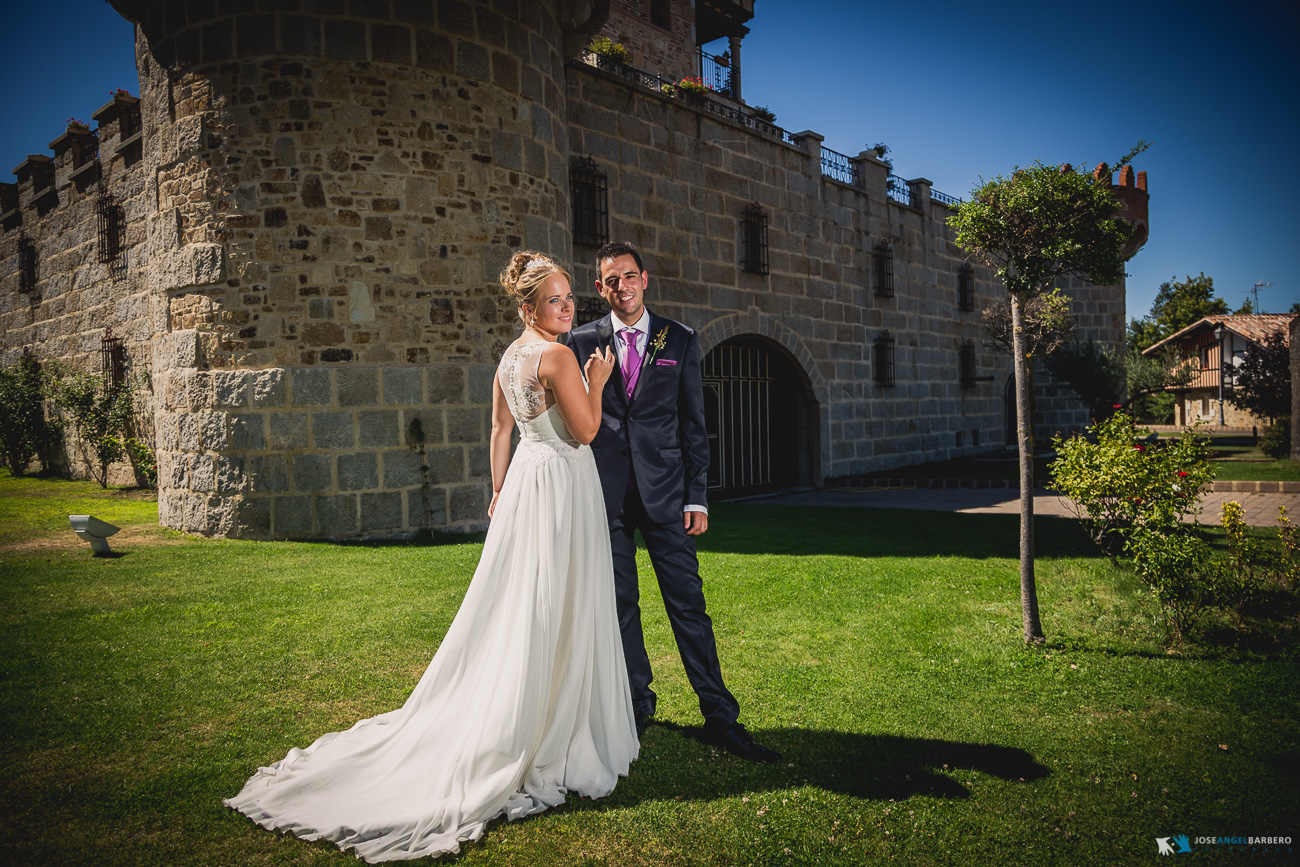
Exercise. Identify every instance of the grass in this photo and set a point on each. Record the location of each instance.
(880, 651)
(1234, 459)
(1238, 459)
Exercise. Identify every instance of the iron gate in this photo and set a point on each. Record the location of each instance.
(738, 386)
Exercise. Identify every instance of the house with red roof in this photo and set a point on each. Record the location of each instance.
(1213, 347)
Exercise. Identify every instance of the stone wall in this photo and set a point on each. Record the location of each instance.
(324, 452)
(320, 200)
(76, 295)
(680, 177)
(669, 51)
(362, 174)
(1188, 411)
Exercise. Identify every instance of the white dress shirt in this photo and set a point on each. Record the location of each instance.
(642, 327)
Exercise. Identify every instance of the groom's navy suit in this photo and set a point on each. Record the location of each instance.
(653, 457)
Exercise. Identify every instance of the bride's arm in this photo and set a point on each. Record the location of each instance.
(502, 424)
(579, 405)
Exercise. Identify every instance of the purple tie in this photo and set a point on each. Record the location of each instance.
(631, 360)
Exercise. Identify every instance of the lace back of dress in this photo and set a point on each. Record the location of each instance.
(518, 373)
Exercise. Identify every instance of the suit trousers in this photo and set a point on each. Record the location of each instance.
(672, 553)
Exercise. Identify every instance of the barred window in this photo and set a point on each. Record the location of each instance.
(587, 185)
(42, 176)
(112, 360)
(26, 265)
(85, 149)
(882, 352)
(966, 288)
(968, 364)
(883, 260)
(753, 250)
(128, 122)
(110, 228)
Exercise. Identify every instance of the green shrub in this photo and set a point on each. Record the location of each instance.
(99, 413)
(1179, 570)
(1121, 483)
(24, 432)
(1276, 441)
(143, 460)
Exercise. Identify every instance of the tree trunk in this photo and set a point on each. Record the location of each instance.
(1025, 444)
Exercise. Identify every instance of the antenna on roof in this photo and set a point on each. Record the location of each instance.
(1258, 284)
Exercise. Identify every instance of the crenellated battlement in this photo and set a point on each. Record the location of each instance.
(75, 166)
(1131, 191)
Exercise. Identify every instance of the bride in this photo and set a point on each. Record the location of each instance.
(527, 697)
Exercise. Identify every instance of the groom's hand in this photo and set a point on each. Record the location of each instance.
(695, 522)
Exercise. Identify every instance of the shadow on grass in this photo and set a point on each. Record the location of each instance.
(877, 767)
(739, 528)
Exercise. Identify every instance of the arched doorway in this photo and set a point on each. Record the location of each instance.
(760, 416)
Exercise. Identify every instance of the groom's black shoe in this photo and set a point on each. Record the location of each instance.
(737, 740)
(643, 721)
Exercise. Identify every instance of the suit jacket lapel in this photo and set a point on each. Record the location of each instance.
(605, 340)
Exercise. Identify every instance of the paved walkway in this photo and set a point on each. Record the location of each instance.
(1260, 509)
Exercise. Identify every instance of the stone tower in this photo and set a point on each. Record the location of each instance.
(338, 183)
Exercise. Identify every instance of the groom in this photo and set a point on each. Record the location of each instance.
(653, 458)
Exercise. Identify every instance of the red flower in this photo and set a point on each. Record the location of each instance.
(1140, 447)
(1117, 406)
(1182, 475)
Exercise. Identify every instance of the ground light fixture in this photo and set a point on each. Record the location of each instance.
(94, 531)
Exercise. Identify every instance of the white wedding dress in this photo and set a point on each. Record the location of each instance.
(527, 697)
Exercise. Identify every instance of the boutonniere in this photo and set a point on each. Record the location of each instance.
(658, 343)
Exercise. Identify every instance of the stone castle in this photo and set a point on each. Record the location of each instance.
(296, 229)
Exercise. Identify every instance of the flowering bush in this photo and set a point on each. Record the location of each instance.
(74, 125)
(121, 91)
(1121, 483)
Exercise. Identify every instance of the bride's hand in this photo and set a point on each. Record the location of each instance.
(492, 506)
(599, 367)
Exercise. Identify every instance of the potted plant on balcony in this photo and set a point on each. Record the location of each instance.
(694, 89)
(77, 126)
(881, 149)
(608, 51)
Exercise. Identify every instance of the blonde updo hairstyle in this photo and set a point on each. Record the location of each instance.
(527, 271)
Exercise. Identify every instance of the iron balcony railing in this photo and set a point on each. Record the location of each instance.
(839, 167)
(659, 84)
(944, 198)
(900, 191)
(715, 71)
(835, 165)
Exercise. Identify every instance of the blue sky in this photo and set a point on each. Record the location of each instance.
(958, 90)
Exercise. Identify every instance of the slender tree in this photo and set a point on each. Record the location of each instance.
(1035, 227)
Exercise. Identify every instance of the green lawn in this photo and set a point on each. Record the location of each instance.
(1234, 459)
(880, 651)
(1237, 460)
